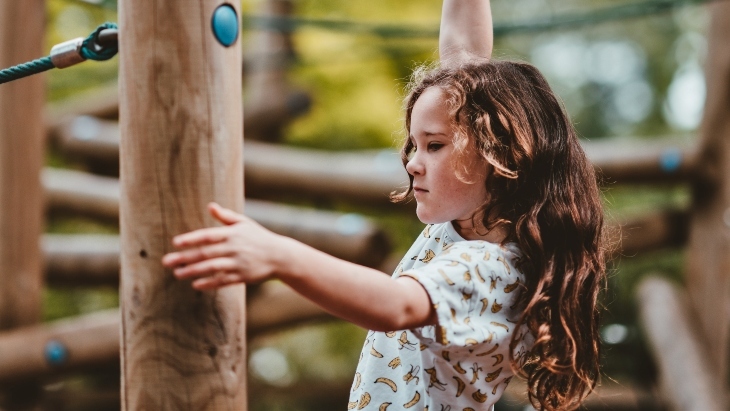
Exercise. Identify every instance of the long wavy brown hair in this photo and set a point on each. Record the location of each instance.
(544, 190)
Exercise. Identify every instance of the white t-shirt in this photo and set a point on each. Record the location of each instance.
(463, 362)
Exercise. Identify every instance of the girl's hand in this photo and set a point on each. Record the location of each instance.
(240, 251)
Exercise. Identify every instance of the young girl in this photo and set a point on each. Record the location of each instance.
(505, 276)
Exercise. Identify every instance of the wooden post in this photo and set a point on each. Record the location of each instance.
(22, 143)
(266, 85)
(21, 157)
(181, 147)
(708, 260)
(684, 376)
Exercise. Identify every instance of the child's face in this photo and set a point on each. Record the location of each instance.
(440, 195)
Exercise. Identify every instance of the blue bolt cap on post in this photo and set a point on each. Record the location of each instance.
(55, 352)
(670, 160)
(225, 25)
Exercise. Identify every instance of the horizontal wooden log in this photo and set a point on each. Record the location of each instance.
(68, 345)
(274, 306)
(84, 259)
(94, 259)
(661, 229)
(92, 340)
(682, 360)
(368, 177)
(91, 259)
(351, 237)
(102, 102)
(75, 125)
(638, 161)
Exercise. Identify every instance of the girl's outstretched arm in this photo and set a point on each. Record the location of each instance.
(466, 31)
(243, 251)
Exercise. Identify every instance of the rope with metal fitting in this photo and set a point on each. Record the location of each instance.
(100, 45)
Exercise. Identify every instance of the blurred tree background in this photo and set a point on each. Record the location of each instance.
(637, 78)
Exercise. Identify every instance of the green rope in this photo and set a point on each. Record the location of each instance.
(619, 12)
(26, 69)
(90, 50)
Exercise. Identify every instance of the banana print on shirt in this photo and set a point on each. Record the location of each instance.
(463, 362)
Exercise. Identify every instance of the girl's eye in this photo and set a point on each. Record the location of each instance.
(434, 146)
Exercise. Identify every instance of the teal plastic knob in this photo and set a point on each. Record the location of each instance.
(225, 25)
(55, 352)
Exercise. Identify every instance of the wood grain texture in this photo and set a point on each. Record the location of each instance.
(708, 260)
(181, 126)
(22, 131)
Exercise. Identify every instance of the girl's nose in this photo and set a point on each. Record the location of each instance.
(415, 165)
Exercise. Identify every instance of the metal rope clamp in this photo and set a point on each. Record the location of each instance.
(68, 53)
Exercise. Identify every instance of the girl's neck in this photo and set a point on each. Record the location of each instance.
(467, 231)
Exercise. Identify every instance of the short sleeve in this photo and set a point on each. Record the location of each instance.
(474, 290)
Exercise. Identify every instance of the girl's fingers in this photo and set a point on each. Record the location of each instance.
(206, 268)
(201, 237)
(193, 255)
(224, 215)
(216, 281)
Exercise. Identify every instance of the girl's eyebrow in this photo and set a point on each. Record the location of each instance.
(430, 134)
(437, 133)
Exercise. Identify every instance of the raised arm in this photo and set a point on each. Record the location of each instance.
(466, 31)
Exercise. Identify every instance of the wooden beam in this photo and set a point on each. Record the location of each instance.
(74, 124)
(708, 260)
(68, 345)
(78, 193)
(101, 102)
(81, 259)
(347, 236)
(181, 147)
(368, 177)
(22, 150)
(657, 230)
(639, 161)
(94, 259)
(92, 340)
(266, 83)
(275, 307)
(687, 380)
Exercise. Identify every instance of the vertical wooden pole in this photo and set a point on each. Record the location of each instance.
(181, 130)
(708, 265)
(22, 30)
(22, 137)
(267, 88)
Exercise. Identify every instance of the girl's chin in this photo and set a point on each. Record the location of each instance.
(427, 218)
